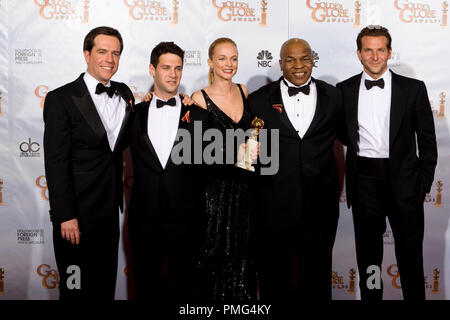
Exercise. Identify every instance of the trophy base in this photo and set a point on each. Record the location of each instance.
(245, 167)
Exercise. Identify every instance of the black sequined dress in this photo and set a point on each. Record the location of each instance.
(224, 257)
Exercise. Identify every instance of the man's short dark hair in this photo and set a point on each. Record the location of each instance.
(374, 31)
(107, 31)
(165, 47)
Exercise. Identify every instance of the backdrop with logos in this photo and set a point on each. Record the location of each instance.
(41, 49)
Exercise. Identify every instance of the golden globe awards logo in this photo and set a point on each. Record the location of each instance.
(50, 277)
(333, 12)
(41, 92)
(337, 281)
(146, 10)
(41, 183)
(240, 11)
(411, 11)
(64, 10)
(394, 273)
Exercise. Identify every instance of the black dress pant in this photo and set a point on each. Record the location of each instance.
(95, 256)
(294, 264)
(163, 262)
(373, 201)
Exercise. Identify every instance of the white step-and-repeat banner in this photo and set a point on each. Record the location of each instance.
(41, 49)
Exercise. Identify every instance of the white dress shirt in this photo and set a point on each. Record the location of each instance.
(374, 109)
(300, 108)
(162, 127)
(110, 110)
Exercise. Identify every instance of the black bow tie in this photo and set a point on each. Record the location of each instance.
(171, 102)
(109, 90)
(292, 91)
(370, 84)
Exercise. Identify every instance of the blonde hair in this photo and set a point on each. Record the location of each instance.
(211, 49)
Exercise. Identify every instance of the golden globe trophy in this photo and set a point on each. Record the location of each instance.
(263, 13)
(357, 14)
(441, 114)
(85, 12)
(444, 14)
(438, 202)
(1, 192)
(251, 146)
(175, 4)
(2, 285)
(351, 284)
(435, 290)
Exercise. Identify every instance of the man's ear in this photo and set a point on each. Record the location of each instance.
(87, 55)
(152, 70)
(359, 54)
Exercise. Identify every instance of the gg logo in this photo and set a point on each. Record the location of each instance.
(41, 92)
(41, 182)
(395, 276)
(50, 277)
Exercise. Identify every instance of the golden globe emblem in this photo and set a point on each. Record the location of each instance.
(357, 14)
(441, 114)
(50, 277)
(2, 284)
(1, 192)
(175, 4)
(444, 14)
(436, 273)
(351, 285)
(438, 202)
(263, 22)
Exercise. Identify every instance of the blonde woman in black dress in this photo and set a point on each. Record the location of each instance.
(224, 258)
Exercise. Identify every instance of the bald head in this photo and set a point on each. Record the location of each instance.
(296, 61)
(293, 42)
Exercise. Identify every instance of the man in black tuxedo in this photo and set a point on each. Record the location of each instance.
(166, 205)
(297, 207)
(85, 134)
(385, 176)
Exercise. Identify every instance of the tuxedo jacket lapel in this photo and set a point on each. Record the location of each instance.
(144, 131)
(123, 126)
(321, 103)
(276, 99)
(182, 124)
(129, 101)
(398, 105)
(352, 110)
(82, 99)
